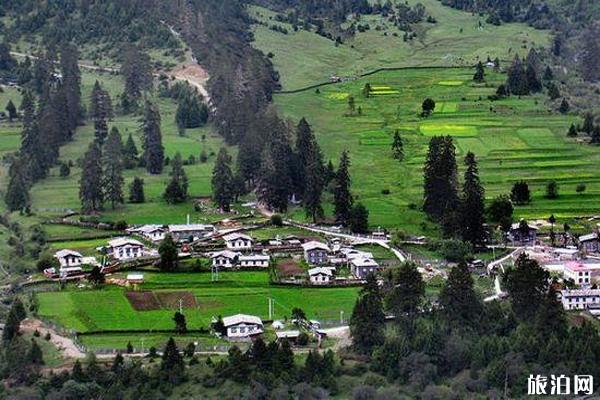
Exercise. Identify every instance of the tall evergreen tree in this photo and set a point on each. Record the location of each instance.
(222, 181)
(472, 204)
(32, 150)
(397, 146)
(136, 70)
(404, 293)
(358, 221)
(153, 148)
(550, 318)
(130, 153)
(100, 103)
(17, 191)
(172, 366)
(527, 284)
(458, 300)
(11, 109)
(177, 188)
(517, 79)
(440, 195)
(136, 191)
(533, 82)
(591, 52)
(113, 169)
(314, 184)
(13, 321)
(588, 123)
(479, 73)
(343, 200)
(168, 254)
(367, 323)
(71, 80)
(90, 184)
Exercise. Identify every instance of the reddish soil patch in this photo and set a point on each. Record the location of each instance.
(170, 300)
(288, 268)
(143, 301)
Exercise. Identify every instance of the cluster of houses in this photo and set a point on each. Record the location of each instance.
(179, 233)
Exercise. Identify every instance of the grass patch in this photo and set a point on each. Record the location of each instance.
(450, 83)
(435, 129)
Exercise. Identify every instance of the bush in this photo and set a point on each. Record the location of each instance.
(276, 220)
(120, 225)
(385, 191)
(552, 190)
(47, 261)
(452, 250)
(302, 339)
(580, 188)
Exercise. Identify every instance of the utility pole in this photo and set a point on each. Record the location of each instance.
(142, 345)
(214, 273)
(270, 308)
(342, 317)
(180, 306)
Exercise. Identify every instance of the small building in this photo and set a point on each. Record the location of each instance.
(190, 232)
(125, 248)
(290, 336)
(316, 253)
(360, 267)
(277, 324)
(582, 273)
(238, 241)
(580, 299)
(254, 261)
(590, 243)
(154, 233)
(522, 235)
(225, 259)
(242, 326)
(66, 272)
(320, 275)
(68, 258)
(135, 279)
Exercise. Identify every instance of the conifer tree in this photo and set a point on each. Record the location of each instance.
(136, 191)
(180, 323)
(168, 254)
(564, 106)
(479, 73)
(90, 185)
(596, 135)
(306, 145)
(458, 300)
(32, 150)
(177, 189)
(533, 82)
(440, 195)
(153, 148)
(100, 103)
(17, 191)
(404, 294)
(314, 183)
(397, 146)
(342, 196)
(517, 79)
(588, 123)
(13, 321)
(69, 57)
(550, 318)
(358, 221)
(553, 91)
(472, 204)
(11, 110)
(222, 181)
(572, 131)
(113, 169)
(548, 74)
(35, 355)
(367, 323)
(527, 284)
(275, 185)
(136, 70)
(130, 153)
(172, 366)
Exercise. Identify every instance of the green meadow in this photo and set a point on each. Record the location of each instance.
(305, 58)
(513, 139)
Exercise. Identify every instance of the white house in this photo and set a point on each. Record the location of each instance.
(242, 326)
(582, 273)
(152, 232)
(68, 258)
(225, 259)
(238, 241)
(590, 243)
(254, 260)
(580, 299)
(316, 252)
(190, 232)
(320, 275)
(360, 267)
(135, 279)
(125, 248)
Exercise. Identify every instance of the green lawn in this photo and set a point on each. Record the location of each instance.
(304, 58)
(512, 138)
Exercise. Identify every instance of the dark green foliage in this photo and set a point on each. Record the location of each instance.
(177, 189)
(553, 91)
(100, 112)
(13, 320)
(130, 153)
(479, 73)
(222, 180)
(11, 110)
(168, 254)
(572, 131)
(180, 323)
(440, 195)
(65, 170)
(519, 193)
(526, 284)
(191, 112)
(358, 220)
(564, 106)
(548, 74)
(96, 277)
(502, 91)
(172, 366)
(517, 78)
(368, 320)
(91, 192)
(112, 161)
(501, 210)
(591, 52)
(276, 220)
(152, 140)
(472, 214)
(550, 319)
(320, 370)
(117, 364)
(460, 304)
(405, 292)
(32, 149)
(397, 146)
(7, 61)
(343, 200)
(71, 82)
(428, 106)
(596, 135)
(588, 123)
(17, 191)
(136, 190)
(453, 250)
(47, 261)
(137, 73)
(310, 179)
(552, 190)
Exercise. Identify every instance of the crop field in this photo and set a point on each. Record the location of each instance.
(512, 138)
(304, 58)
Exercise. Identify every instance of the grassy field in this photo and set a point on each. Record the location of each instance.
(304, 58)
(512, 138)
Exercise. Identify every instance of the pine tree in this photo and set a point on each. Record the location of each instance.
(305, 147)
(397, 146)
(113, 169)
(550, 318)
(35, 355)
(172, 365)
(479, 73)
(180, 323)
(533, 82)
(17, 191)
(588, 123)
(553, 91)
(548, 74)
(342, 196)
(527, 284)
(136, 191)
(32, 150)
(520, 193)
(222, 181)
(458, 300)
(11, 110)
(517, 79)
(572, 131)
(136, 70)
(472, 204)
(564, 106)
(314, 184)
(90, 185)
(100, 103)
(358, 221)
(177, 189)
(69, 57)
(117, 365)
(591, 52)
(130, 154)
(153, 148)
(13, 321)
(275, 184)
(367, 323)
(405, 292)
(440, 178)
(596, 135)
(168, 254)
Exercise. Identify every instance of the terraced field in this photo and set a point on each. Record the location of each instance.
(514, 138)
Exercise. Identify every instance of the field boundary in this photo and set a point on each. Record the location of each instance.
(369, 73)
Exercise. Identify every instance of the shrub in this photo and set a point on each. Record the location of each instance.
(276, 220)
(385, 191)
(451, 249)
(580, 188)
(552, 190)
(120, 225)
(302, 339)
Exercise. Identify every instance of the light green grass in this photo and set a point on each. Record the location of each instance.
(433, 129)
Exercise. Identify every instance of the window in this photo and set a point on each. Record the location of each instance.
(233, 330)
(242, 330)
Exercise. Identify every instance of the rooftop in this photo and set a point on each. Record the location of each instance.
(314, 245)
(580, 292)
(235, 236)
(190, 227)
(225, 253)
(241, 318)
(67, 252)
(123, 241)
(320, 271)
